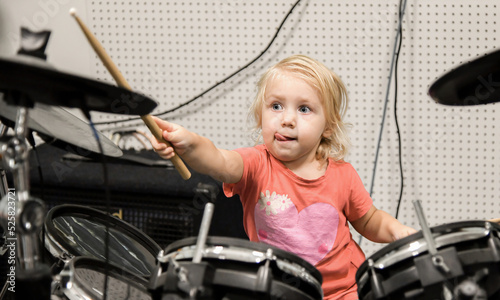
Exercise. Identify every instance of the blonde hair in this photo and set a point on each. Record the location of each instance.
(333, 95)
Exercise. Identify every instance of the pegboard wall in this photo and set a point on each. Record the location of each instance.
(173, 51)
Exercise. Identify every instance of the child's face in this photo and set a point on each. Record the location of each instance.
(293, 119)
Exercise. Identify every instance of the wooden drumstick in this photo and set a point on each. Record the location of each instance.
(120, 80)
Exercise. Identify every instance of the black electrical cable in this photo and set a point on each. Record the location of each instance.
(396, 114)
(394, 57)
(218, 83)
(107, 200)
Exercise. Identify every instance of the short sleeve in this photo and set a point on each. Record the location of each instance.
(359, 199)
(251, 157)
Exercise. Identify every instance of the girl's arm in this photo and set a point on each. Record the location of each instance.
(198, 152)
(378, 226)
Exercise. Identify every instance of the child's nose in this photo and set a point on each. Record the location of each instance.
(288, 119)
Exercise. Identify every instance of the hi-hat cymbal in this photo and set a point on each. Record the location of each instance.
(58, 123)
(33, 78)
(473, 83)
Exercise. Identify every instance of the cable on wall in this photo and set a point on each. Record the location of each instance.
(402, 6)
(394, 62)
(218, 83)
(400, 152)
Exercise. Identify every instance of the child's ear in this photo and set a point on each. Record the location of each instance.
(327, 132)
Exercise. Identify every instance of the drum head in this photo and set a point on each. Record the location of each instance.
(84, 278)
(81, 231)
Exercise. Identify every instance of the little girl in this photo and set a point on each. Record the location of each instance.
(296, 190)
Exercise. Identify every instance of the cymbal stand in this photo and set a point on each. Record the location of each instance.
(22, 217)
(4, 189)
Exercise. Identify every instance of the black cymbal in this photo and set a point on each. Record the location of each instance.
(61, 125)
(32, 79)
(473, 83)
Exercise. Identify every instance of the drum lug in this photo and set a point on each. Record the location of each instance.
(191, 279)
(195, 279)
(61, 261)
(438, 268)
(161, 257)
(61, 281)
(55, 286)
(438, 261)
(65, 257)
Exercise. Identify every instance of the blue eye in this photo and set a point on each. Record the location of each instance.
(276, 106)
(304, 109)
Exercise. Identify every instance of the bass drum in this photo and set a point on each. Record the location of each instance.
(85, 278)
(233, 269)
(72, 231)
(467, 265)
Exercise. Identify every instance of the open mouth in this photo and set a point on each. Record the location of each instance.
(282, 138)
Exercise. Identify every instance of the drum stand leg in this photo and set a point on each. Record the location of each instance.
(4, 187)
(22, 218)
(4, 290)
(4, 190)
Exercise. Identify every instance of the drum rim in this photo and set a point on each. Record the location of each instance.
(419, 235)
(241, 243)
(92, 214)
(114, 271)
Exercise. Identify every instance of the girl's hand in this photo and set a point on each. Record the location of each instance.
(402, 231)
(177, 135)
(198, 152)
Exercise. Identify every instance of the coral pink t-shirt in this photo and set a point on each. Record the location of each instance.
(305, 217)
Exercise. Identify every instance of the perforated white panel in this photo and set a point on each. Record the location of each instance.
(175, 50)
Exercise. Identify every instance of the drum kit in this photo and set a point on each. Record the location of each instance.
(77, 252)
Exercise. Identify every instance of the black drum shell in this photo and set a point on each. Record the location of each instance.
(401, 280)
(234, 278)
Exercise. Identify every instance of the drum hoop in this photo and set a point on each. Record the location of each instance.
(422, 247)
(487, 226)
(245, 255)
(234, 243)
(78, 288)
(94, 214)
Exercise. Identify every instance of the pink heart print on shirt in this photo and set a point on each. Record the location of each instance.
(309, 234)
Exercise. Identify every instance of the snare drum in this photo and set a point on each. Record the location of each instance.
(73, 230)
(84, 278)
(233, 269)
(404, 269)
